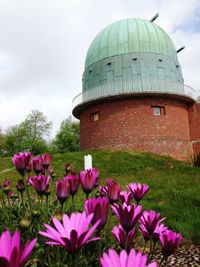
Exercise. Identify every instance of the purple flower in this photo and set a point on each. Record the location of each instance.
(109, 181)
(170, 241)
(114, 190)
(126, 197)
(51, 172)
(40, 183)
(68, 168)
(37, 165)
(138, 190)
(21, 161)
(133, 259)
(73, 234)
(46, 160)
(159, 230)
(99, 207)
(127, 215)
(88, 180)
(124, 241)
(12, 254)
(6, 186)
(74, 181)
(150, 220)
(62, 190)
(103, 190)
(29, 167)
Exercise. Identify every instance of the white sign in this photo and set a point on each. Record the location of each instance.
(88, 162)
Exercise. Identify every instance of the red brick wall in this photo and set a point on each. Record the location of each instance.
(194, 121)
(130, 124)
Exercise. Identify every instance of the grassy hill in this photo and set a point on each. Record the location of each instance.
(174, 186)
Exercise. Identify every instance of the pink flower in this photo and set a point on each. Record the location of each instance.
(150, 220)
(127, 215)
(21, 161)
(103, 190)
(138, 190)
(62, 190)
(46, 160)
(99, 207)
(133, 259)
(159, 230)
(37, 165)
(12, 254)
(73, 234)
(73, 180)
(170, 241)
(6, 186)
(68, 168)
(119, 233)
(126, 197)
(114, 190)
(88, 180)
(109, 181)
(40, 183)
(51, 172)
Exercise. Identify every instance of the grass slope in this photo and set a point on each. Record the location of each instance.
(174, 186)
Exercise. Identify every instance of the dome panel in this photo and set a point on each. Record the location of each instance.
(132, 55)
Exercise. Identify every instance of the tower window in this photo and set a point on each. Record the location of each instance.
(160, 59)
(134, 58)
(94, 116)
(158, 110)
(109, 64)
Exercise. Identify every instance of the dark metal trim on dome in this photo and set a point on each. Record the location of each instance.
(154, 17)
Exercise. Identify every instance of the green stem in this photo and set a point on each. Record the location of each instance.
(8, 201)
(74, 260)
(27, 192)
(126, 242)
(47, 208)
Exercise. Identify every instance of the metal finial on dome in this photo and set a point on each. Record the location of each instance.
(154, 17)
(180, 49)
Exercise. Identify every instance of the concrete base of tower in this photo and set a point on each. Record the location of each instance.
(150, 123)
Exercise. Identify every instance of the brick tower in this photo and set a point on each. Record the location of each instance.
(133, 95)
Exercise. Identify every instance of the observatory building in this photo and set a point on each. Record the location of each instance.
(133, 93)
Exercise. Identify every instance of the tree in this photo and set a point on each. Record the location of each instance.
(37, 126)
(28, 135)
(2, 143)
(68, 137)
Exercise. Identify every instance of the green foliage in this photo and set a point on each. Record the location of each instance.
(28, 135)
(67, 139)
(2, 143)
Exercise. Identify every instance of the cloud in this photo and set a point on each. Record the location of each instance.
(43, 44)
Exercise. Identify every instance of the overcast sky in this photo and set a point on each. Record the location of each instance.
(43, 44)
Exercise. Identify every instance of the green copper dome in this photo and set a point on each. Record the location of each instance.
(131, 55)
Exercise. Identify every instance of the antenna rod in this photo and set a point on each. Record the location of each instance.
(154, 17)
(180, 49)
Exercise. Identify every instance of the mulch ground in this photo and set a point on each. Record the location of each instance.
(185, 256)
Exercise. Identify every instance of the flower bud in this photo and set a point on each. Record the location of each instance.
(25, 223)
(20, 185)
